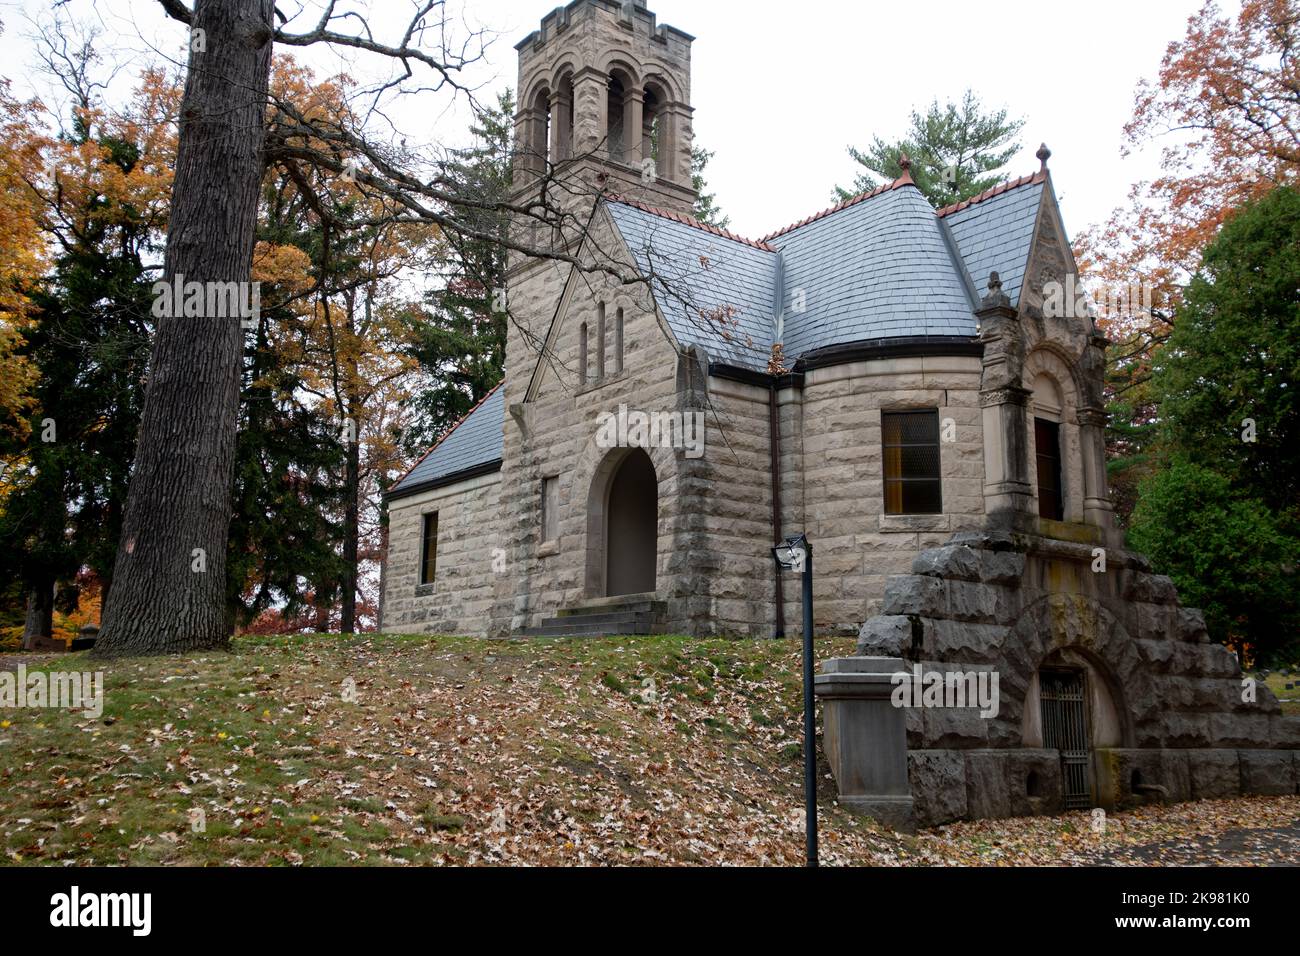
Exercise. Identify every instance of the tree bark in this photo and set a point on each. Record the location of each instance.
(169, 576)
(40, 615)
(351, 532)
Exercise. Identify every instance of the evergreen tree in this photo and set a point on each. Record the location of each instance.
(1227, 529)
(957, 151)
(459, 338)
(706, 205)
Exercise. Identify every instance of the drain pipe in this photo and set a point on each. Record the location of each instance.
(775, 444)
(774, 427)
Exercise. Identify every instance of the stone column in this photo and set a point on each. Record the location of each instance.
(675, 143)
(633, 123)
(864, 737)
(1008, 494)
(1097, 509)
(591, 113)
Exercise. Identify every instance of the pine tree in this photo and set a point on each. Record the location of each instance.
(957, 151)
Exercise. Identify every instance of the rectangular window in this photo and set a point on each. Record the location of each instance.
(429, 549)
(911, 447)
(1047, 448)
(550, 509)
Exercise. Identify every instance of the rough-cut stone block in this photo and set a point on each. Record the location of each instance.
(1284, 730)
(1034, 782)
(1191, 625)
(1002, 567)
(1239, 730)
(886, 636)
(938, 779)
(1150, 589)
(952, 728)
(1215, 774)
(1159, 654)
(954, 561)
(969, 601)
(1187, 730)
(987, 791)
(914, 594)
(962, 642)
(1268, 772)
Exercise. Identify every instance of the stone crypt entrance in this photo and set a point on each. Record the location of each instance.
(1063, 703)
(632, 527)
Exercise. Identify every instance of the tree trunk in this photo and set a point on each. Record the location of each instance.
(169, 576)
(40, 614)
(351, 531)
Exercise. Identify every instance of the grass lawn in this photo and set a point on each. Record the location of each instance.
(459, 751)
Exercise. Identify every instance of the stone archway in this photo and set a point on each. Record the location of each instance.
(623, 526)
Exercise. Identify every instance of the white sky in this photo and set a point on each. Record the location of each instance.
(781, 89)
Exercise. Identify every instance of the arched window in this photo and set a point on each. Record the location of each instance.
(1049, 406)
(561, 121)
(618, 341)
(537, 142)
(600, 342)
(582, 355)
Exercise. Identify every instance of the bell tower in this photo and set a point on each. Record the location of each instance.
(604, 103)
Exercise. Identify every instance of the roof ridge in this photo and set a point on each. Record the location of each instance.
(1032, 179)
(447, 434)
(691, 221)
(851, 201)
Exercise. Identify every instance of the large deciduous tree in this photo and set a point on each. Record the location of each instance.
(169, 586)
(1224, 109)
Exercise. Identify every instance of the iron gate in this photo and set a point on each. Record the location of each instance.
(1065, 728)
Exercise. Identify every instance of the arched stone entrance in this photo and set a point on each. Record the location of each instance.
(623, 526)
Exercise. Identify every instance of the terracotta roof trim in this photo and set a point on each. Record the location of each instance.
(447, 434)
(691, 221)
(1034, 179)
(848, 203)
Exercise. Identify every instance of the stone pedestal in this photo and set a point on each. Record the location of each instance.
(865, 738)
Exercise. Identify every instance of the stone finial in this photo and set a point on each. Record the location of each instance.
(1043, 154)
(995, 298)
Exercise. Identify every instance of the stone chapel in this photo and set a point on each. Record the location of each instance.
(881, 376)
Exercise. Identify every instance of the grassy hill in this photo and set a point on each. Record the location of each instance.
(457, 751)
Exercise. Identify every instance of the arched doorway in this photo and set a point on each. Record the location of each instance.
(631, 532)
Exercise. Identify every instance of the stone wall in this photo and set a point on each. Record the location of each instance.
(461, 598)
(835, 491)
(1168, 703)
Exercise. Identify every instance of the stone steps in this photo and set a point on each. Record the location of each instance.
(605, 618)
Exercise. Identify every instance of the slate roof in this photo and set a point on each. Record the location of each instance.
(995, 233)
(475, 441)
(715, 289)
(883, 265)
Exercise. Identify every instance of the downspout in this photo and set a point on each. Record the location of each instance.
(775, 445)
(774, 436)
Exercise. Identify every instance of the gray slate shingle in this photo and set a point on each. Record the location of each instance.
(475, 441)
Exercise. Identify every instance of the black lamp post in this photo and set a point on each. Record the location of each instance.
(795, 554)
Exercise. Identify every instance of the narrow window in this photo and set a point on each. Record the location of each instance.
(550, 509)
(429, 549)
(582, 355)
(600, 342)
(911, 447)
(1047, 444)
(618, 341)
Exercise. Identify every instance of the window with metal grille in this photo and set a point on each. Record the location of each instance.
(913, 485)
(429, 549)
(550, 509)
(1047, 445)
